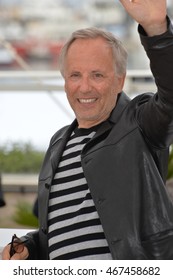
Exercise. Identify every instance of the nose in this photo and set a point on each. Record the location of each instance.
(85, 85)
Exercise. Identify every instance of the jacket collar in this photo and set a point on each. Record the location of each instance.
(122, 102)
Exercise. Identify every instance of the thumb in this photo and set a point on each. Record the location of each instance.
(21, 256)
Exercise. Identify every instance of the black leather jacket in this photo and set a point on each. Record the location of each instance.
(125, 165)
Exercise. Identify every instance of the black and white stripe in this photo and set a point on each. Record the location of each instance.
(75, 231)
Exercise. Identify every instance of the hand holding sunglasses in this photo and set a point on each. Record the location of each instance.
(16, 245)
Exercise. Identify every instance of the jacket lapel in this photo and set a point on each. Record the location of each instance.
(122, 102)
(58, 145)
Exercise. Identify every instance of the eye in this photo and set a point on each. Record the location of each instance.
(74, 75)
(98, 75)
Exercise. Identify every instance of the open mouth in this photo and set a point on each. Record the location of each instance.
(87, 100)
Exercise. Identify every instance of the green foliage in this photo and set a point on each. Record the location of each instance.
(170, 164)
(24, 158)
(24, 215)
(20, 158)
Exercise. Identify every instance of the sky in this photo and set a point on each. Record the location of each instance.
(32, 117)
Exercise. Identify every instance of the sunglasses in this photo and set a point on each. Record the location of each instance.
(16, 245)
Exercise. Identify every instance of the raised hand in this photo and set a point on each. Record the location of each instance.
(151, 14)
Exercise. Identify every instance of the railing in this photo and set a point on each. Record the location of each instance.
(18, 182)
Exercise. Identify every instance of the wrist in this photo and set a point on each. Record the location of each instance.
(156, 29)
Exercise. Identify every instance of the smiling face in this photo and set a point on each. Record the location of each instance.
(91, 82)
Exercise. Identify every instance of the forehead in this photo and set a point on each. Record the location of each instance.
(94, 40)
(89, 50)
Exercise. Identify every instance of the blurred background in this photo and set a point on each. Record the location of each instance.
(33, 104)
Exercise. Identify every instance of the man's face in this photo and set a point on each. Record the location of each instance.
(91, 83)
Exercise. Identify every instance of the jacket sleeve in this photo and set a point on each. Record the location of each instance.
(32, 242)
(155, 116)
(159, 246)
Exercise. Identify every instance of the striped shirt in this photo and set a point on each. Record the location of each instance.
(75, 230)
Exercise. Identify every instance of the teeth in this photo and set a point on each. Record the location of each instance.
(87, 100)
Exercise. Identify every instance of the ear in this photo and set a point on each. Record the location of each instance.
(121, 81)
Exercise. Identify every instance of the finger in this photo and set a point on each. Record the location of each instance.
(126, 2)
(6, 253)
(21, 256)
(129, 4)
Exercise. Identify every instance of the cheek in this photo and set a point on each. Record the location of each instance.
(71, 96)
(111, 97)
(66, 87)
(70, 88)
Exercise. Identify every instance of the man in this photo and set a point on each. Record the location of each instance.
(101, 186)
